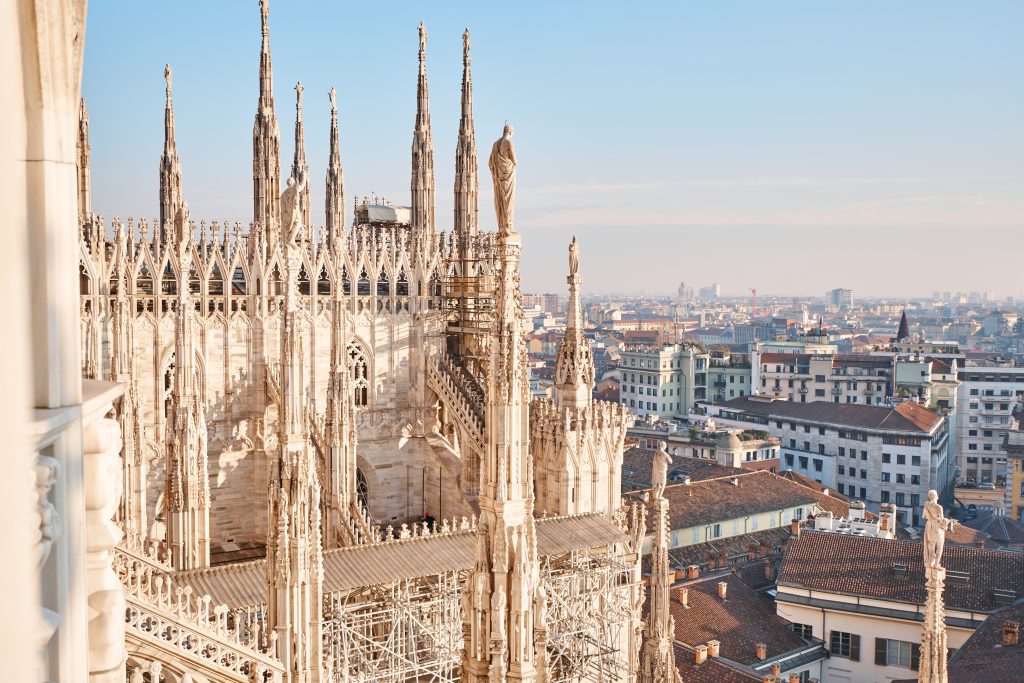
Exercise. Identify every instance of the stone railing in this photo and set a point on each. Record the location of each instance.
(214, 640)
(151, 552)
(459, 397)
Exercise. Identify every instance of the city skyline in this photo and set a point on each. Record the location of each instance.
(882, 135)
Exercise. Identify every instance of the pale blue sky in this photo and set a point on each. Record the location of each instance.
(789, 146)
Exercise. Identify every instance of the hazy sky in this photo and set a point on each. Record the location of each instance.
(789, 146)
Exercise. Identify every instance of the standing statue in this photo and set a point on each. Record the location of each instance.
(291, 209)
(659, 470)
(935, 529)
(574, 257)
(502, 163)
(498, 613)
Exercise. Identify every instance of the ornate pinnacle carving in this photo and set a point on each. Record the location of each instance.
(574, 368)
(334, 208)
(422, 183)
(170, 167)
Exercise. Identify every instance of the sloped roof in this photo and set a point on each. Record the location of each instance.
(984, 658)
(741, 621)
(907, 417)
(863, 565)
(244, 584)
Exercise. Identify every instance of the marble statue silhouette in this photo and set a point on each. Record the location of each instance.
(502, 163)
(659, 470)
(935, 529)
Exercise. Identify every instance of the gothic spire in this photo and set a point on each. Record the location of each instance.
(335, 197)
(657, 664)
(574, 368)
(188, 488)
(466, 183)
(266, 142)
(422, 184)
(170, 166)
(904, 332)
(84, 171)
(299, 165)
(504, 602)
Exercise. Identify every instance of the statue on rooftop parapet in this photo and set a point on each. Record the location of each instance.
(502, 164)
(291, 211)
(659, 470)
(935, 529)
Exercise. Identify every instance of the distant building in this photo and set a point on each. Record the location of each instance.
(803, 378)
(872, 453)
(663, 382)
(842, 298)
(865, 596)
(985, 404)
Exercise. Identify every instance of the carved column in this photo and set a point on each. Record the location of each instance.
(933, 637)
(102, 464)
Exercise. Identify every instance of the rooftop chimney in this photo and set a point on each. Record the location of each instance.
(856, 510)
(823, 521)
(714, 647)
(768, 678)
(826, 492)
(761, 650)
(776, 670)
(686, 480)
(692, 572)
(700, 654)
(722, 588)
(1011, 632)
(794, 678)
(683, 597)
(794, 527)
(735, 481)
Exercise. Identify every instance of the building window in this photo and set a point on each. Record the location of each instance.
(714, 531)
(846, 645)
(915, 500)
(805, 631)
(897, 653)
(789, 459)
(842, 451)
(915, 460)
(915, 479)
(842, 469)
(901, 459)
(900, 498)
(821, 449)
(803, 462)
(885, 496)
(886, 458)
(885, 476)
(901, 478)
(817, 465)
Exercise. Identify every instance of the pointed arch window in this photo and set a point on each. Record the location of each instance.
(383, 284)
(215, 285)
(304, 286)
(238, 281)
(169, 282)
(359, 363)
(363, 286)
(346, 281)
(323, 283)
(402, 284)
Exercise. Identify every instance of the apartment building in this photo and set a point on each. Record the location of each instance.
(864, 597)
(728, 376)
(803, 378)
(877, 454)
(985, 405)
(665, 381)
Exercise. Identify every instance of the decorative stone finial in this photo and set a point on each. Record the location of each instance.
(332, 95)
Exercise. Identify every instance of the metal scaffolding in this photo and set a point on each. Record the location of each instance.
(591, 614)
(412, 630)
(407, 631)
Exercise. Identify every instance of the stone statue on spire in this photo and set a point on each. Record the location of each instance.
(291, 208)
(167, 77)
(935, 529)
(333, 96)
(502, 164)
(298, 96)
(423, 37)
(574, 257)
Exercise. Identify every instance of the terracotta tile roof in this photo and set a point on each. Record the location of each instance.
(914, 419)
(720, 499)
(741, 621)
(636, 469)
(984, 658)
(711, 671)
(919, 415)
(804, 480)
(860, 565)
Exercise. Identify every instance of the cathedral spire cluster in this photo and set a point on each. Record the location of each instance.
(266, 143)
(422, 184)
(170, 167)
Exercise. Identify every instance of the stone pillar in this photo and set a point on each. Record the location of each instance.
(102, 464)
(933, 636)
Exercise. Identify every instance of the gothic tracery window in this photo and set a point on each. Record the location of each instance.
(360, 374)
